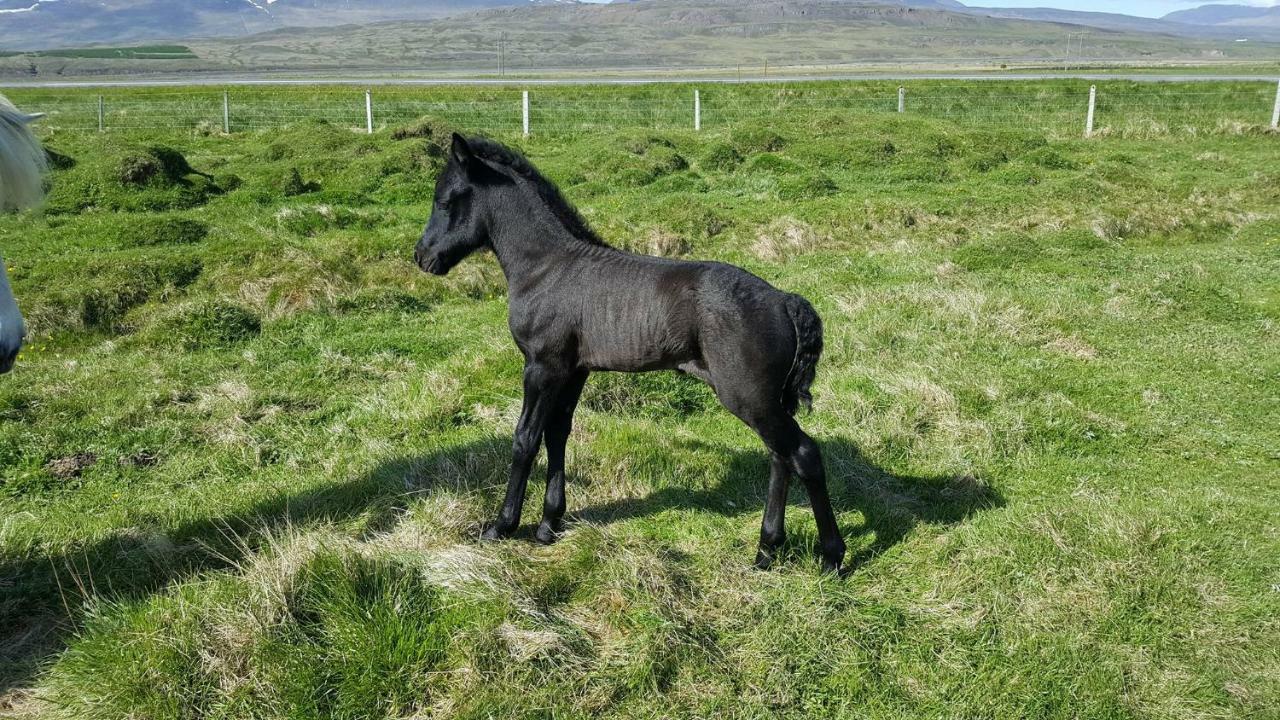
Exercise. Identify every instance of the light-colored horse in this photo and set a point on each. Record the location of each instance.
(22, 168)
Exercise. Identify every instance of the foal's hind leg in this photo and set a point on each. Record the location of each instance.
(557, 435)
(772, 530)
(783, 436)
(806, 462)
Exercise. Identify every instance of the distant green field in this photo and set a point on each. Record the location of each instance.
(247, 452)
(142, 52)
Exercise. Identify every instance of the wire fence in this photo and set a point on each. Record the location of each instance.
(1057, 107)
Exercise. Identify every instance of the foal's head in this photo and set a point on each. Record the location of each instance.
(459, 223)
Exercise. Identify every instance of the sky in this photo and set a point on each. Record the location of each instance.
(1144, 8)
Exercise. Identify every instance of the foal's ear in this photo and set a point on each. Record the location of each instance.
(461, 151)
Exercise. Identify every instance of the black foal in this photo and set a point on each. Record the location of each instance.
(577, 305)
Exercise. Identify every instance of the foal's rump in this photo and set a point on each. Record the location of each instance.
(760, 345)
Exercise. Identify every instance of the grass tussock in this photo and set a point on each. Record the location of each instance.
(783, 238)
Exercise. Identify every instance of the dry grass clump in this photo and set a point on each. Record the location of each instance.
(913, 416)
(785, 237)
(1205, 217)
(664, 243)
(1073, 347)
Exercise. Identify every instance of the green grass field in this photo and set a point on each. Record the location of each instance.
(141, 52)
(249, 447)
(1057, 107)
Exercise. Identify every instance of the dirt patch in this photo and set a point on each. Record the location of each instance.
(70, 466)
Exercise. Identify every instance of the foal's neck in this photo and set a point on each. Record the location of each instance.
(530, 240)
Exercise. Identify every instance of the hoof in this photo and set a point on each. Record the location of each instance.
(764, 559)
(833, 557)
(545, 535)
(493, 532)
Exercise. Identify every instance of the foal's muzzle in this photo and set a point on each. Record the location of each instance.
(428, 262)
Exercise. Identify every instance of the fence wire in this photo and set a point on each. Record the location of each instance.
(1052, 106)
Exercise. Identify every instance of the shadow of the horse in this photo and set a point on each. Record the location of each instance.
(43, 595)
(890, 504)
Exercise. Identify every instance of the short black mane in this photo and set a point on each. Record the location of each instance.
(568, 216)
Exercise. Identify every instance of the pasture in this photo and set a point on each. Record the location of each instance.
(247, 452)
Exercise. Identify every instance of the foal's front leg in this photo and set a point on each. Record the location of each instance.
(557, 435)
(542, 384)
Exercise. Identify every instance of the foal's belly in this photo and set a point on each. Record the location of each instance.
(634, 359)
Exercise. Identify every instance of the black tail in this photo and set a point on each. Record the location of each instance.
(808, 349)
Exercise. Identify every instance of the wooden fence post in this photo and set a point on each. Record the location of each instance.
(101, 124)
(524, 111)
(697, 111)
(1275, 110)
(1088, 121)
(902, 99)
(368, 111)
(226, 112)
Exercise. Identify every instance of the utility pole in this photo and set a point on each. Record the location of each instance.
(502, 55)
(1080, 36)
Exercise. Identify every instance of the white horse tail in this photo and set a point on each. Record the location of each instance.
(22, 168)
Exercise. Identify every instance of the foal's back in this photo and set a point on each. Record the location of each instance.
(638, 312)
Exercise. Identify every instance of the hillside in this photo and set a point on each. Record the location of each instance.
(1241, 17)
(44, 24)
(682, 33)
(1202, 23)
(550, 36)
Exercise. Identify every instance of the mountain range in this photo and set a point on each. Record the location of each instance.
(1237, 16)
(437, 33)
(42, 24)
(1206, 21)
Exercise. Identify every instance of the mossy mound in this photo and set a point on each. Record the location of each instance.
(757, 140)
(150, 231)
(772, 163)
(132, 178)
(207, 324)
(720, 156)
(642, 144)
(634, 170)
(805, 186)
(688, 216)
(432, 129)
(108, 286)
(290, 183)
(154, 164)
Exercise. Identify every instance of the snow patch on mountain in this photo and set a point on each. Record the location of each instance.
(34, 5)
(261, 6)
